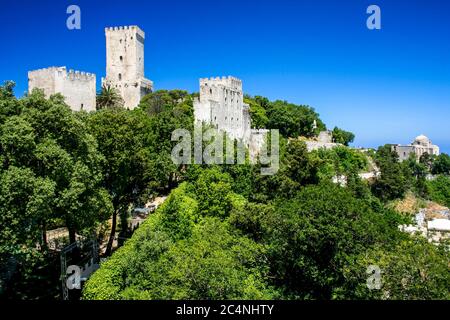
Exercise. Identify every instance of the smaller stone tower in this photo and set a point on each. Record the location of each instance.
(221, 104)
(125, 64)
(77, 87)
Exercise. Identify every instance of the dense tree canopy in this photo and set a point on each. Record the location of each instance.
(225, 231)
(50, 169)
(292, 120)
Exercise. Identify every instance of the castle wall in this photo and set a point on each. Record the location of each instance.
(125, 64)
(43, 79)
(78, 88)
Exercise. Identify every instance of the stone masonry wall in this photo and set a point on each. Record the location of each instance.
(78, 88)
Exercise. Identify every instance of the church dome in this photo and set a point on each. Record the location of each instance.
(422, 140)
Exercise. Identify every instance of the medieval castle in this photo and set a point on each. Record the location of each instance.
(124, 72)
(221, 102)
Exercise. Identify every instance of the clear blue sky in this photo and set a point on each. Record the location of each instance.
(386, 86)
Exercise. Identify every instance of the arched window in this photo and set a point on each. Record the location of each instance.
(120, 76)
(121, 58)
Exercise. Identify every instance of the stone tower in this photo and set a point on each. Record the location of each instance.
(77, 87)
(221, 104)
(125, 64)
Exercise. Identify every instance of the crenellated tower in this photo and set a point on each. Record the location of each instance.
(125, 64)
(77, 87)
(221, 104)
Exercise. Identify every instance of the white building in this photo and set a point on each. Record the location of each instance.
(125, 64)
(221, 104)
(418, 147)
(78, 88)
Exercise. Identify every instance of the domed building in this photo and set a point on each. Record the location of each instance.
(421, 144)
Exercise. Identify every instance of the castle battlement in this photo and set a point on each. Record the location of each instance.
(132, 29)
(63, 73)
(79, 75)
(121, 28)
(229, 81)
(48, 69)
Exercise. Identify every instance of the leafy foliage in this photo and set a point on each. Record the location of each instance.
(441, 165)
(109, 98)
(392, 183)
(312, 237)
(224, 232)
(292, 120)
(439, 190)
(342, 136)
(411, 270)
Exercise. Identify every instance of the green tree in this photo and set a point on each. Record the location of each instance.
(213, 262)
(415, 173)
(109, 98)
(427, 160)
(9, 105)
(213, 191)
(342, 136)
(412, 269)
(164, 100)
(312, 236)
(47, 138)
(392, 183)
(441, 164)
(293, 120)
(122, 137)
(439, 190)
(26, 202)
(259, 119)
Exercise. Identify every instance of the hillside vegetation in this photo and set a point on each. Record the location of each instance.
(224, 232)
